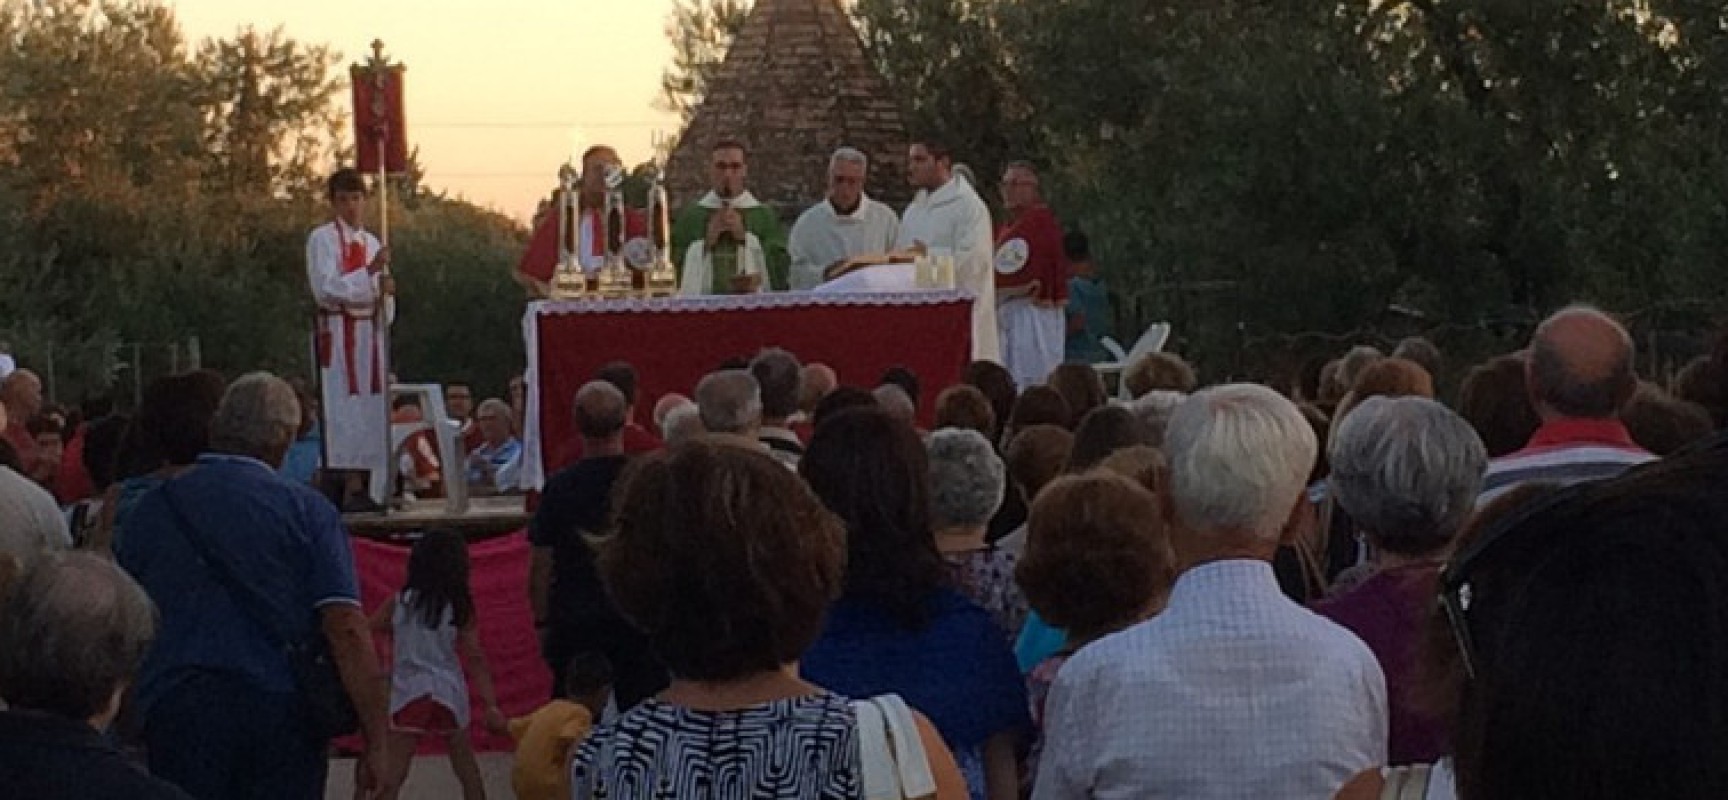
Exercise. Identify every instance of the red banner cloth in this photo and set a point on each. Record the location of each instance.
(498, 576)
(380, 122)
(674, 342)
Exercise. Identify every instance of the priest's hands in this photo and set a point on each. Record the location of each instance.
(746, 284)
(386, 285)
(726, 221)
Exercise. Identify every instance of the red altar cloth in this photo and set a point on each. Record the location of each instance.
(673, 342)
(498, 576)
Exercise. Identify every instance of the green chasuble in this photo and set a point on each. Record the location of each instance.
(692, 226)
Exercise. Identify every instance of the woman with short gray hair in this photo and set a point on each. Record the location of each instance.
(1407, 470)
(967, 481)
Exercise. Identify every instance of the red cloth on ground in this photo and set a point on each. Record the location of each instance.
(498, 576)
(673, 349)
(1046, 261)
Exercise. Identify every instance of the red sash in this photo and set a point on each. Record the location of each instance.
(353, 260)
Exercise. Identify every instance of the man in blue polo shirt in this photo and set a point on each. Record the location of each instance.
(223, 714)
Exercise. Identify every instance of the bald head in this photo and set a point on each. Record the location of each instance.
(1581, 365)
(600, 411)
(22, 394)
(815, 383)
(666, 405)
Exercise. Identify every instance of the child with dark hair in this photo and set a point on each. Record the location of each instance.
(434, 627)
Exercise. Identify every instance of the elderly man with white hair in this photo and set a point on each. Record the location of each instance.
(245, 564)
(1233, 691)
(845, 225)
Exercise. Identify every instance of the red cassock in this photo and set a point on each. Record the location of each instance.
(540, 260)
(1045, 261)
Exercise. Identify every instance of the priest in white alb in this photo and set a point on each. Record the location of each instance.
(846, 225)
(948, 217)
(348, 271)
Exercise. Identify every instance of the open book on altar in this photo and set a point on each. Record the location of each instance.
(873, 278)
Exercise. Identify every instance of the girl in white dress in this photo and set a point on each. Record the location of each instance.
(432, 622)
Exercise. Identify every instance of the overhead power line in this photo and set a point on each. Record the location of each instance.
(546, 125)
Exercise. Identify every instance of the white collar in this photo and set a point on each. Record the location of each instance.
(944, 194)
(742, 201)
(857, 213)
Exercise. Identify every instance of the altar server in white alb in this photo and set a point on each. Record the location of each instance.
(947, 215)
(348, 271)
(846, 225)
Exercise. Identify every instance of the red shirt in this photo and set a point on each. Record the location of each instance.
(540, 260)
(73, 483)
(472, 438)
(21, 440)
(1037, 234)
(1574, 431)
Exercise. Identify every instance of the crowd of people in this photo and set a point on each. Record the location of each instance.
(1341, 587)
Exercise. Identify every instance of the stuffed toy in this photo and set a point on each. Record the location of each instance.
(544, 741)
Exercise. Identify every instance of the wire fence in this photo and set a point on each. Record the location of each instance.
(72, 373)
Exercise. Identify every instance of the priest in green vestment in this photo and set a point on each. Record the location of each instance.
(729, 242)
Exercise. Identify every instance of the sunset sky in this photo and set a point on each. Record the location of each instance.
(499, 91)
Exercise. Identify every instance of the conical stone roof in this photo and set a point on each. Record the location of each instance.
(794, 86)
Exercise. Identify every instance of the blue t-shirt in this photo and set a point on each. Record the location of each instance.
(304, 457)
(1088, 297)
(957, 670)
(1037, 641)
(283, 539)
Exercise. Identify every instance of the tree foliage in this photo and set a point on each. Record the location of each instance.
(701, 31)
(155, 192)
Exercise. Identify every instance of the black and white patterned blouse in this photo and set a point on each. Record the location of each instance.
(803, 748)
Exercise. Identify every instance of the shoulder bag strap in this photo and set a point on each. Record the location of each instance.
(242, 593)
(1406, 783)
(913, 762)
(876, 755)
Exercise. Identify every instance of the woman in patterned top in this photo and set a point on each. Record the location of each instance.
(967, 481)
(727, 563)
(1098, 560)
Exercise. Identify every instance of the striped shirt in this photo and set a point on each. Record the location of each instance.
(1565, 451)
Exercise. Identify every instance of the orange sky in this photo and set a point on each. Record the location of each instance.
(499, 91)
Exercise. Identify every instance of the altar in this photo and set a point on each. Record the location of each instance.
(674, 341)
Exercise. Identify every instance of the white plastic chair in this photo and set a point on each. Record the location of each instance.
(1151, 340)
